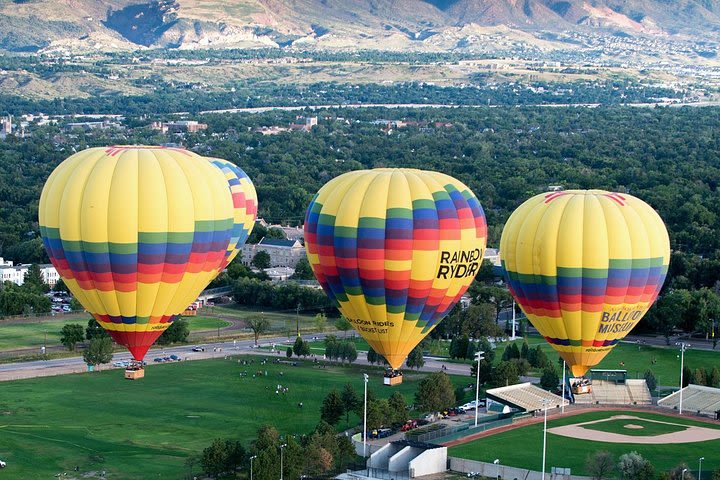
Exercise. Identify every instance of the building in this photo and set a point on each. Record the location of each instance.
(5, 127)
(291, 233)
(283, 253)
(16, 273)
(180, 126)
(493, 256)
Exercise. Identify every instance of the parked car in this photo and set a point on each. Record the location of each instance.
(158, 359)
(409, 425)
(66, 308)
(175, 358)
(198, 349)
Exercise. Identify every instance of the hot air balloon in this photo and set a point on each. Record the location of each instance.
(395, 249)
(136, 233)
(584, 266)
(245, 205)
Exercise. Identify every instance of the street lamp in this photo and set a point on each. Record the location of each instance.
(545, 403)
(513, 319)
(477, 384)
(682, 475)
(683, 347)
(365, 376)
(281, 459)
(497, 462)
(562, 405)
(700, 468)
(251, 460)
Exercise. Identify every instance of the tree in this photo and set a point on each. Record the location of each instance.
(350, 399)
(303, 271)
(498, 297)
(525, 350)
(511, 351)
(94, 330)
(600, 465)
(289, 352)
(487, 348)
(318, 459)
(486, 370)
(222, 457)
(349, 352)
(700, 377)
(320, 322)
(549, 379)
(633, 466)
(435, 392)
(275, 233)
(505, 374)
(301, 348)
(667, 313)
(714, 380)
(99, 351)
(650, 380)
(343, 324)
(688, 377)
(541, 360)
(71, 334)
(259, 325)
(377, 413)
(415, 358)
(372, 356)
(397, 413)
(716, 475)
(677, 473)
(332, 408)
(34, 279)
(261, 260)
(60, 286)
(177, 332)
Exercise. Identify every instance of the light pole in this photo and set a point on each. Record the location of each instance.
(545, 409)
(251, 460)
(282, 447)
(497, 462)
(477, 385)
(700, 468)
(365, 376)
(683, 347)
(682, 475)
(562, 405)
(513, 319)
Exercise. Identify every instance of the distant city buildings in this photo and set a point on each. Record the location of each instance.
(16, 273)
(180, 126)
(302, 124)
(5, 127)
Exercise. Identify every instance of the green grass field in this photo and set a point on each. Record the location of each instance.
(280, 322)
(648, 428)
(147, 428)
(522, 447)
(32, 332)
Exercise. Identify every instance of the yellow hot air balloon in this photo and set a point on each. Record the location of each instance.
(245, 205)
(395, 249)
(136, 233)
(585, 266)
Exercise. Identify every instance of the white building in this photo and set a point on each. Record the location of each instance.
(5, 127)
(493, 256)
(16, 273)
(283, 253)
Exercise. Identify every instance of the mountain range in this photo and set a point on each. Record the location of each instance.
(32, 25)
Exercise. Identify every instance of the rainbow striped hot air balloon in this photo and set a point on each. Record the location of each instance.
(584, 266)
(395, 249)
(136, 233)
(245, 205)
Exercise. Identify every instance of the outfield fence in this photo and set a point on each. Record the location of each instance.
(473, 469)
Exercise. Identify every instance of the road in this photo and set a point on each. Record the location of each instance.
(61, 366)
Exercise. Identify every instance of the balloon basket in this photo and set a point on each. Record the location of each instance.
(134, 373)
(392, 378)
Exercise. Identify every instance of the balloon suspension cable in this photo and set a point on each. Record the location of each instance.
(135, 365)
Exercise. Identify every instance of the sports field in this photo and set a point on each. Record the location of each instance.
(147, 428)
(681, 441)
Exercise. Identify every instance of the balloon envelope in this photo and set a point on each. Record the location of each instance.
(584, 266)
(245, 205)
(136, 233)
(395, 249)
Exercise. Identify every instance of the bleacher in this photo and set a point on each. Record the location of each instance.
(632, 392)
(696, 399)
(525, 397)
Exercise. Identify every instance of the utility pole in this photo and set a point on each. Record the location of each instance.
(297, 319)
(477, 385)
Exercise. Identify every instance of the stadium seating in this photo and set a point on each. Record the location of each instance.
(632, 392)
(696, 399)
(525, 396)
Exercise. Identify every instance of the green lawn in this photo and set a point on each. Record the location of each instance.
(32, 331)
(648, 428)
(147, 428)
(284, 323)
(522, 447)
